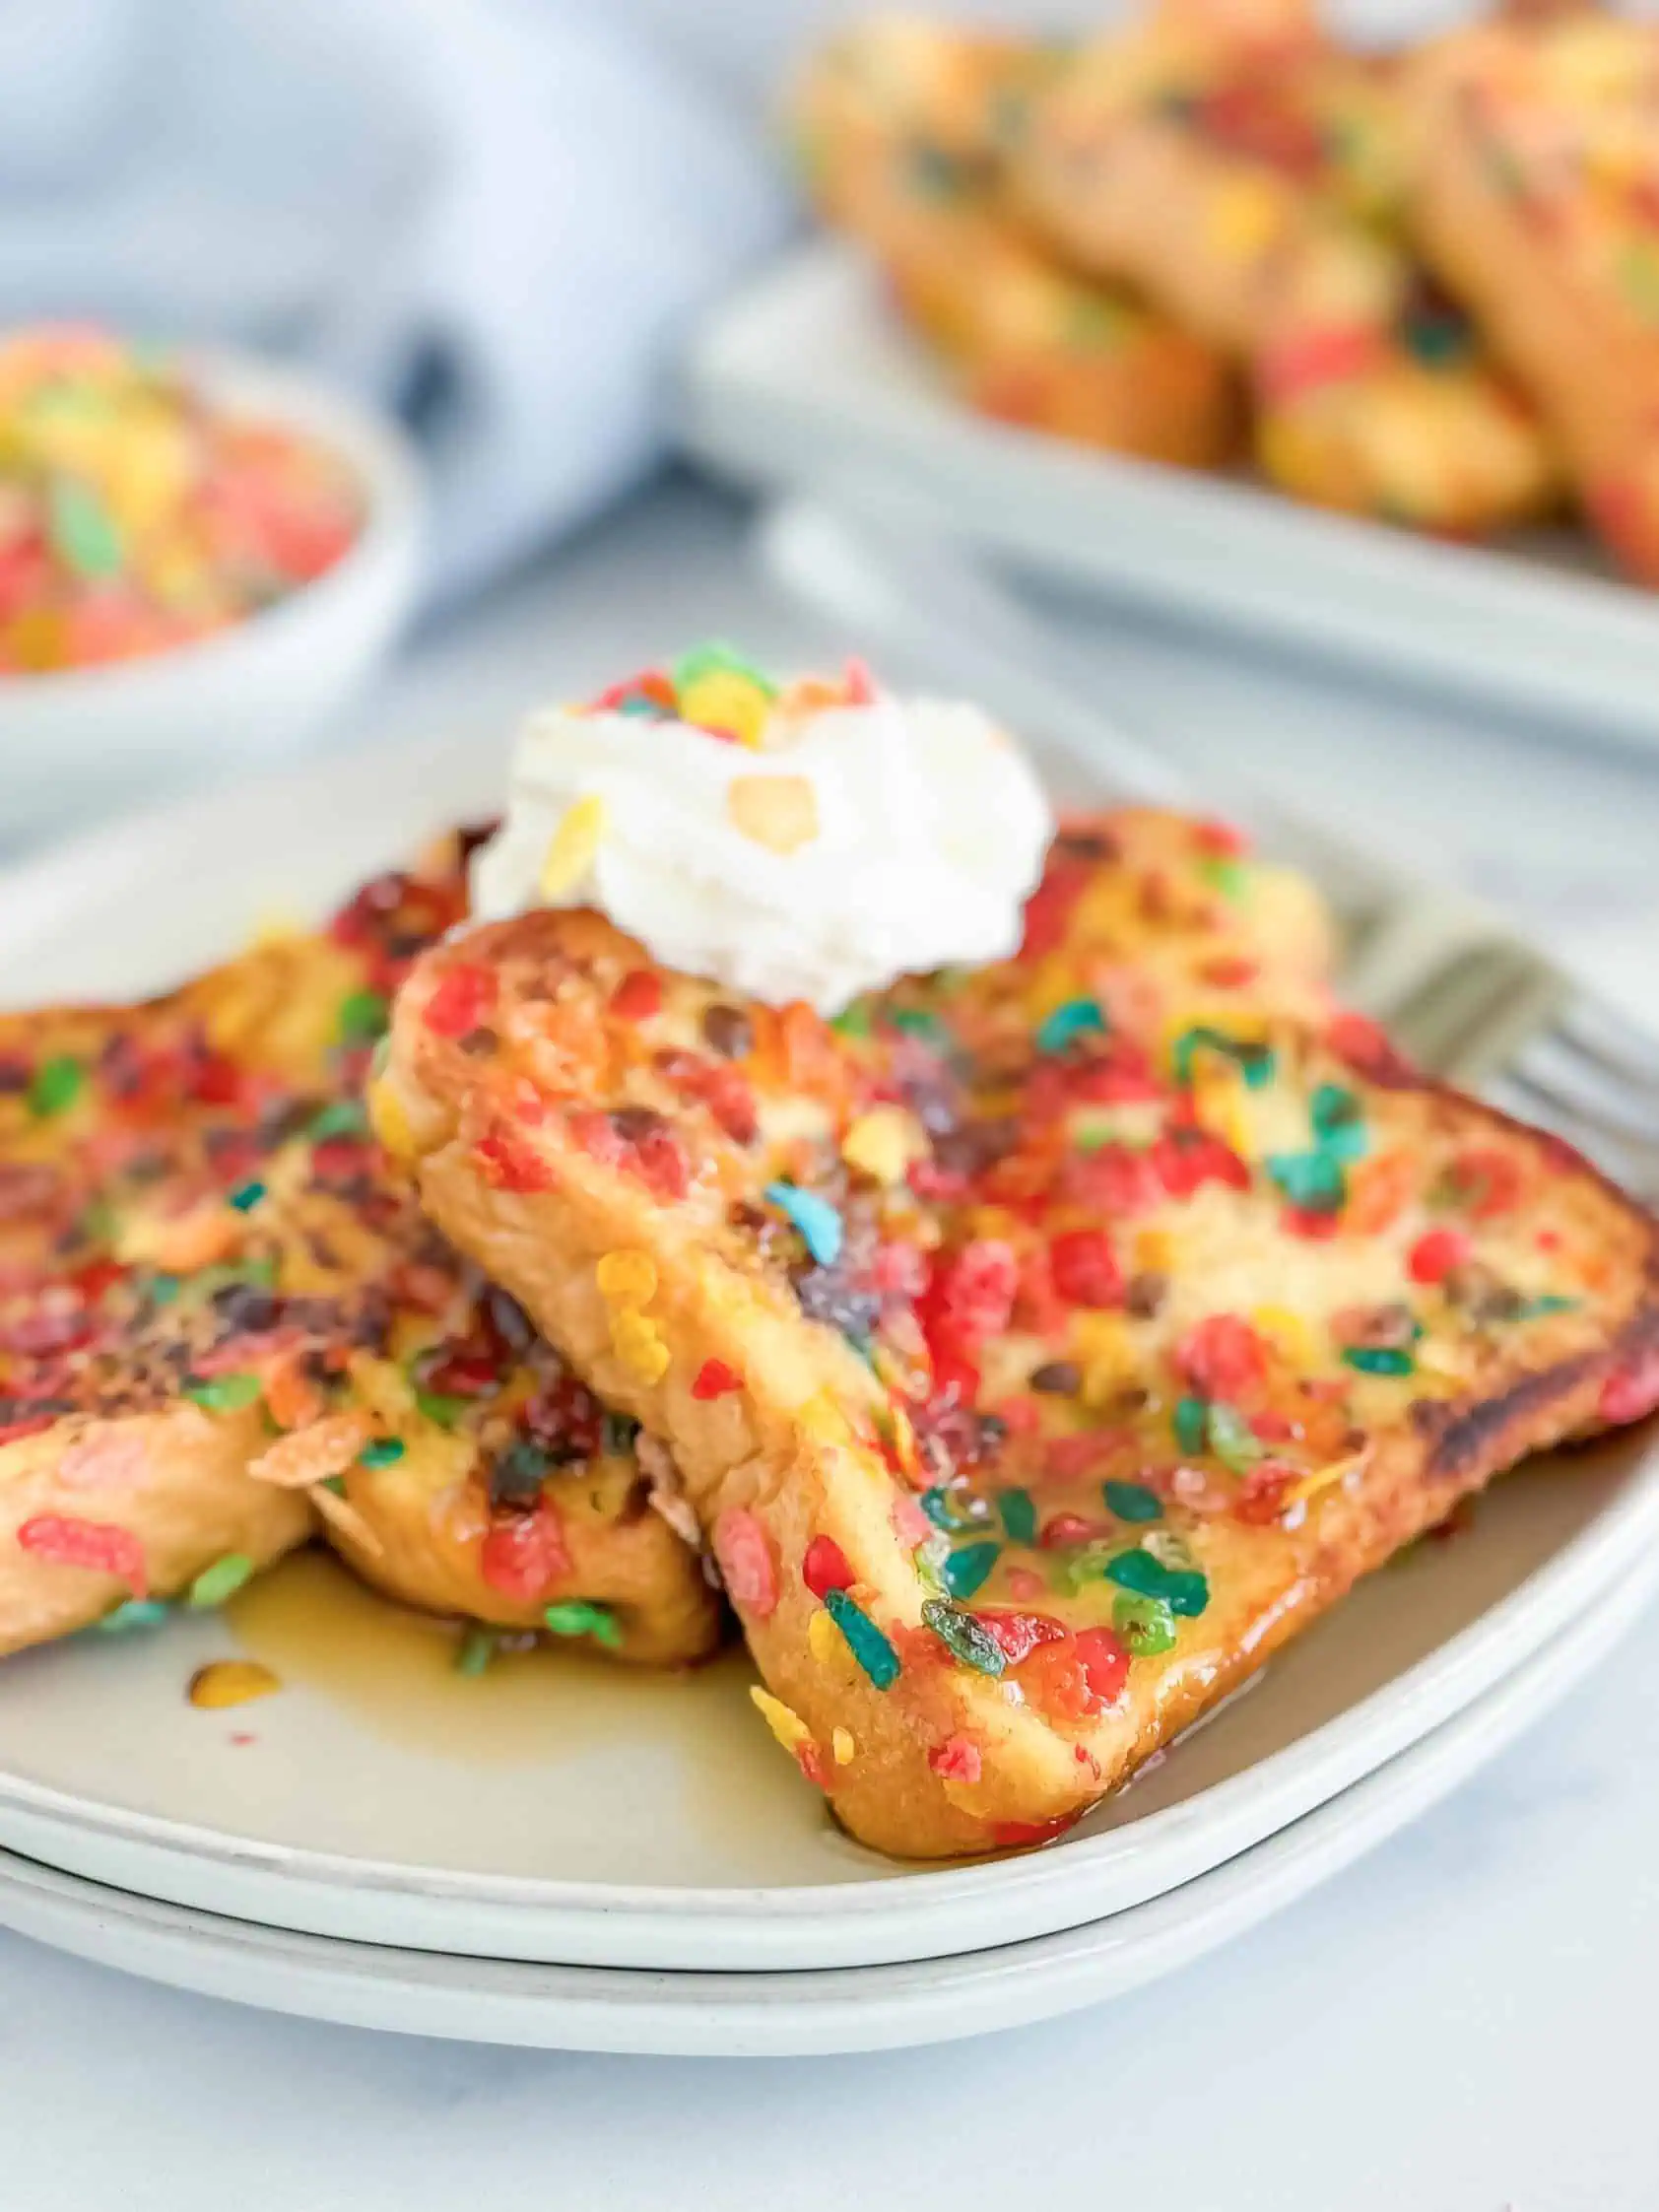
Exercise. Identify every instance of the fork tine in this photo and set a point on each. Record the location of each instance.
(1620, 1043)
(1555, 1064)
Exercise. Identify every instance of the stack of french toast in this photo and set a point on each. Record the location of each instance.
(1421, 286)
(1021, 1356)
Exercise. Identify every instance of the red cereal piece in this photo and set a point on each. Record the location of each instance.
(1300, 365)
(745, 1560)
(1187, 1158)
(1085, 1268)
(1018, 1633)
(100, 1546)
(826, 1567)
(1017, 1834)
(524, 1556)
(1434, 1256)
(1104, 1661)
(638, 996)
(1221, 1357)
(509, 1163)
(715, 1379)
(971, 1295)
(1113, 1181)
(957, 1759)
(1631, 1391)
(1487, 1181)
(464, 996)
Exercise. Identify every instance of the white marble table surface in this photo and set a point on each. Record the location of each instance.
(1461, 2023)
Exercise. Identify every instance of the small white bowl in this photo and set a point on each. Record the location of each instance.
(77, 743)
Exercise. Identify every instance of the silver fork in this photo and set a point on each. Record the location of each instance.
(1458, 986)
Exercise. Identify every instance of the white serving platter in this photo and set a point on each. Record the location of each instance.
(810, 2014)
(805, 380)
(560, 1812)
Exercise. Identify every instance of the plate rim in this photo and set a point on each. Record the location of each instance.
(816, 2012)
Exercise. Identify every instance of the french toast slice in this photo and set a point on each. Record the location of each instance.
(1041, 1346)
(1535, 199)
(220, 1313)
(896, 127)
(1253, 186)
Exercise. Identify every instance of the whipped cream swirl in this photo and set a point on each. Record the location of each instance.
(862, 842)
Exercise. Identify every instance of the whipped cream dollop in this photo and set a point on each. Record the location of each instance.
(854, 844)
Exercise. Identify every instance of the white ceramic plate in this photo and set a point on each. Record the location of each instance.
(557, 1811)
(803, 379)
(794, 2015)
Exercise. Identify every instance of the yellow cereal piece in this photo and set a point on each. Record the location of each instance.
(779, 812)
(1244, 217)
(824, 1638)
(783, 1721)
(389, 1119)
(842, 1747)
(904, 1440)
(1155, 1251)
(882, 1143)
(231, 1682)
(724, 700)
(1218, 1100)
(627, 1277)
(640, 1345)
(572, 846)
(1288, 1332)
(1322, 1478)
(1104, 1353)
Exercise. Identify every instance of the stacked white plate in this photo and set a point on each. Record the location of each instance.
(559, 1854)
(805, 380)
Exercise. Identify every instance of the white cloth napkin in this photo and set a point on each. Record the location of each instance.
(491, 215)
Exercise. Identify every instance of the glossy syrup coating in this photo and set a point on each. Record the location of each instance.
(1535, 196)
(896, 125)
(1254, 186)
(1040, 1345)
(220, 1311)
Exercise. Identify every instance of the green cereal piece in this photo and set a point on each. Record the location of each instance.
(868, 1645)
(576, 1616)
(967, 1567)
(215, 1583)
(343, 1118)
(476, 1648)
(1132, 1500)
(1078, 1017)
(56, 1084)
(1146, 1624)
(963, 1637)
(1019, 1515)
(223, 1394)
(363, 1016)
(1191, 1424)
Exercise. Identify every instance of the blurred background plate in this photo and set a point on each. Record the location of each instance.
(803, 379)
